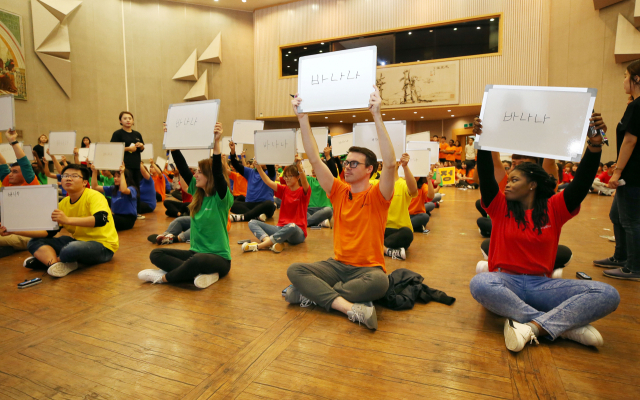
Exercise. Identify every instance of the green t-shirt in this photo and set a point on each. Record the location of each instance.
(42, 178)
(318, 195)
(104, 181)
(209, 226)
(434, 178)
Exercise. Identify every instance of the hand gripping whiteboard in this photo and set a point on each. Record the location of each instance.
(7, 113)
(29, 208)
(339, 80)
(320, 133)
(365, 135)
(161, 163)
(419, 163)
(192, 157)
(243, 130)
(190, 125)
(61, 143)
(109, 156)
(432, 147)
(549, 122)
(224, 145)
(147, 154)
(46, 156)
(83, 154)
(8, 153)
(276, 146)
(340, 144)
(419, 137)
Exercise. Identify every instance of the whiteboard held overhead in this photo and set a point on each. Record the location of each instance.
(419, 163)
(29, 208)
(62, 142)
(365, 135)
(83, 154)
(161, 163)
(340, 144)
(147, 153)
(190, 125)
(276, 146)
(339, 80)
(320, 134)
(224, 146)
(7, 113)
(539, 121)
(419, 137)
(28, 151)
(432, 147)
(109, 156)
(243, 130)
(92, 152)
(8, 153)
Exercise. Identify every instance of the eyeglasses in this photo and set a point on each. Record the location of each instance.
(351, 164)
(67, 176)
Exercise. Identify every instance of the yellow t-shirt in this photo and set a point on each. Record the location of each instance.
(398, 216)
(88, 204)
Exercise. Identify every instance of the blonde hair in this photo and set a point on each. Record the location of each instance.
(206, 170)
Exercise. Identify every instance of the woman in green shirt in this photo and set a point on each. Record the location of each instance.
(209, 257)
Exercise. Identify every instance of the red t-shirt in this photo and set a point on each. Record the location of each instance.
(524, 251)
(604, 177)
(294, 206)
(186, 197)
(566, 177)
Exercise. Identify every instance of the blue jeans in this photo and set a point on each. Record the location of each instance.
(181, 227)
(72, 250)
(315, 215)
(625, 216)
(419, 221)
(557, 305)
(278, 234)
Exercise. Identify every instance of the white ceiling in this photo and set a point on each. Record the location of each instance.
(250, 5)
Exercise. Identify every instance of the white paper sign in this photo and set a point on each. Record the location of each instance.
(276, 146)
(29, 208)
(419, 137)
(190, 125)
(365, 135)
(109, 156)
(46, 156)
(243, 130)
(83, 154)
(7, 113)
(549, 122)
(92, 152)
(340, 144)
(147, 154)
(419, 163)
(339, 80)
(161, 163)
(28, 151)
(61, 143)
(320, 133)
(306, 164)
(192, 157)
(8, 153)
(432, 147)
(224, 146)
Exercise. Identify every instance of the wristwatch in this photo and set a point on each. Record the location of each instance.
(594, 144)
(14, 142)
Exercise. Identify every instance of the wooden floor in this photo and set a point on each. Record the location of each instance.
(100, 333)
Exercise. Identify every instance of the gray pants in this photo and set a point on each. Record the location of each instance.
(181, 227)
(324, 281)
(278, 234)
(316, 215)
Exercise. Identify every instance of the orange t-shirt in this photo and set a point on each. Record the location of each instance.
(417, 203)
(34, 182)
(443, 146)
(450, 157)
(360, 219)
(239, 184)
(459, 155)
(471, 174)
(158, 183)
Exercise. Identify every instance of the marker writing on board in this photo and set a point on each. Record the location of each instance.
(292, 96)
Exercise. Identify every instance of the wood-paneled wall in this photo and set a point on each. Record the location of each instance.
(158, 37)
(523, 60)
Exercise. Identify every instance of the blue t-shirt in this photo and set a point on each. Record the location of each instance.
(64, 192)
(257, 190)
(148, 192)
(122, 204)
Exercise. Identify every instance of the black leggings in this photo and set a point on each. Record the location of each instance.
(396, 238)
(485, 225)
(563, 256)
(124, 222)
(253, 210)
(185, 265)
(480, 209)
(174, 207)
(144, 208)
(158, 197)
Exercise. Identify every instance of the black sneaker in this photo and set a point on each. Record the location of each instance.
(33, 263)
(609, 263)
(622, 273)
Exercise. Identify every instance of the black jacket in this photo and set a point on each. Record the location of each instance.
(405, 287)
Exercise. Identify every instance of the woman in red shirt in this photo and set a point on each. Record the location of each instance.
(527, 221)
(292, 223)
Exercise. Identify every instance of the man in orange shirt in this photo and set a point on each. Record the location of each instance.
(443, 146)
(356, 276)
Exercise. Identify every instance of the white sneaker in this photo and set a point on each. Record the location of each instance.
(326, 224)
(24, 264)
(277, 247)
(203, 281)
(151, 275)
(482, 266)
(61, 269)
(557, 273)
(235, 217)
(517, 335)
(396, 254)
(141, 216)
(262, 217)
(253, 246)
(586, 335)
(364, 313)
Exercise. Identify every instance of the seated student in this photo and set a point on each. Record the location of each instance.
(175, 208)
(19, 173)
(398, 233)
(148, 198)
(38, 168)
(292, 223)
(418, 207)
(159, 182)
(259, 200)
(239, 183)
(209, 257)
(85, 214)
(528, 220)
(123, 197)
(356, 276)
(567, 176)
(602, 180)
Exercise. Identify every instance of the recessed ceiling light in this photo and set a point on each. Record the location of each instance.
(289, 52)
(455, 29)
(353, 116)
(296, 70)
(384, 114)
(286, 55)
(448, 110)
(340, 121)
(322, 43)
(492, 19)
(295, 59)
(287, 66)
(320, 51)
(421, 117)
(431, 30)
(305, 48)
(409, 33)
(382, 62)
(366, 120)
(326, 117)
(478, 28)
(453, 115)
(415, 112)
(392, 118)
(244, 1)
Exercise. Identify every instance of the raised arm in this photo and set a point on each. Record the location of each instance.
(430, 192)
(387, 176)
(237, 165)
(489, 188)
(265, 178)
(123, 181)
(303, 175)
(56, 164)
(185, 173)
(76, 155)
(216, 165)
(145, 174)
(498, 170)
(549, 165)
(94, 180)
(412, 185)
(12, 136)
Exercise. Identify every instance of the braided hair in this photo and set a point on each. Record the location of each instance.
(546, 185)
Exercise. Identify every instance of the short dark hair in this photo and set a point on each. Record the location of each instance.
(83, 170)
(435, 136)
(610, 164)
(508, 162)
(291, 170)
(370, 157)
(123, 113)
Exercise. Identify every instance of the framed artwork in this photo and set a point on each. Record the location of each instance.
(13, 78)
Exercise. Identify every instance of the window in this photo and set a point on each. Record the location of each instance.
(459, 39)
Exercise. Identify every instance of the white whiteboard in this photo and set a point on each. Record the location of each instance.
(432, 147)
(276, 146)
(190, 125)
(29, 208)
(365, 135)
(7, 113)
(419, 163)
(340, 144)
(306, 165)
(8, 153)
(28, 151)
(46, 156)
(161, 163)
(147, 154)
(419, 137)
(224, 145)
(83, 154)
(243, 130)
(92, 152)
(192, 157)
(549, 122)
(109, 156)
(320, 133)
(339, 80)
(61, 143)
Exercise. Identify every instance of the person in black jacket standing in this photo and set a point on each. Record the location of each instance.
(134, 145)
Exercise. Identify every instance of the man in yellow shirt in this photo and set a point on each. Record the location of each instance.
(398, 233)
(85, 214)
